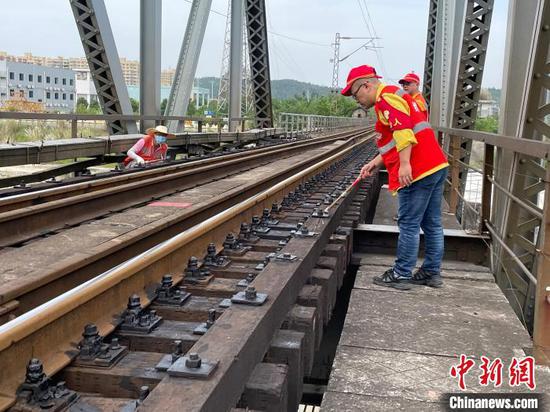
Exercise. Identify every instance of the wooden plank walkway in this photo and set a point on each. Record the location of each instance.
(397, 347)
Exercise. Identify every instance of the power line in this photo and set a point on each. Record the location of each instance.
(299, 40)
(378, 52)
(271, 32)
(372, 33)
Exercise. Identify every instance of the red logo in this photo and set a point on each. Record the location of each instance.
(491, 372)
(523, 371)
(461, 370)
(520, 371)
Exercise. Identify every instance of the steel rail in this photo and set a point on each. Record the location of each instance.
(50, 330)
(42, 196)
(25, 223)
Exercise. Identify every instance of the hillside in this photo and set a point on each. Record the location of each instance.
(281, 89)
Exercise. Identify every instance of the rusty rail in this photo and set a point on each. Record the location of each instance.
(74, 205)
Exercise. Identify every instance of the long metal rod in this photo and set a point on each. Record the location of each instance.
(235, 62)
(109, 117)
(497, 237)
(461, 196)
(343, 194)
(528, 147)
(516, 199)
(178, 101)
(150, 58)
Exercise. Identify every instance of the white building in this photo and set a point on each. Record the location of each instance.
(488, 108)
(51, 86)
(3, 81)
(85, 87)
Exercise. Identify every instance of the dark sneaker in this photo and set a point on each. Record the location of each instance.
(391, 280)
(421, 277)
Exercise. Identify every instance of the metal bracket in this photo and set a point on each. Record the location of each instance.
(303, 232)
(203, 327)
(225, 303)
(246, 282)
(167, 294)
(93, 352)
(193, 366)
(170, 359)
(137, 320)
(38, 393)
(318, 213)
(287, 257)
(249, 297)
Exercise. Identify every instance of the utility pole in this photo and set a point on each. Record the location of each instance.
(223, 90)
(335, 64)
(336, 60)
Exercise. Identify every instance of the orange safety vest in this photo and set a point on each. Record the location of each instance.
(148, 151)
(422, 105)
(427, 157)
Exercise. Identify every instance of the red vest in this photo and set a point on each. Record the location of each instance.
(422, 105)
(427, 157)
(148, 151)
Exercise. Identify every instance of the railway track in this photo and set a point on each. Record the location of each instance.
(151, 360)
(26, 216)
(42, 270)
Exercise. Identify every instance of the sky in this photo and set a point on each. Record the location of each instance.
(301, 34)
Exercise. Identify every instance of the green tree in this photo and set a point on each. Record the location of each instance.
(192, 108)
(94, 108)
(487, 124)
(81, 101)
(163, 105)
(135, 105)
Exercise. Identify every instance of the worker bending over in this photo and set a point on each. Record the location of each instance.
(148, 149)
(417, 168)
(411, 84)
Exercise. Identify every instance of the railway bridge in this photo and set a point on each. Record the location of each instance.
(237, 275)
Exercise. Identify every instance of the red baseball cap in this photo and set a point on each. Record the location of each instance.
(410, 77)
(359, 72)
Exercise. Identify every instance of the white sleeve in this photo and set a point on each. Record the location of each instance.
(131, 154)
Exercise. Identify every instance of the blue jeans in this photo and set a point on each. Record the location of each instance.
(420, 207)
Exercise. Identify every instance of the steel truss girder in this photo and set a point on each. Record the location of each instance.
(472, 61)
(99, 45)
(522, 228)
(256, 24)
(475, 37)
(430, 51)
(180, 92)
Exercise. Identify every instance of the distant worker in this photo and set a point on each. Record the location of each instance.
(411, 84)
(148, 149)
(417, 168)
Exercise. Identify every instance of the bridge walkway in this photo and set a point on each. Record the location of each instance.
(397, 347)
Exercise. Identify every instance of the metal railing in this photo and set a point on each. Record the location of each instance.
(294, 124)
(483, 202)
(75, 118)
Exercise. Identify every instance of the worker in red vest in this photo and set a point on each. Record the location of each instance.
(411, 83)
(148, 149)
(417, 168)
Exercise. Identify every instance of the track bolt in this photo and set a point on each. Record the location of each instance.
(143, 393)
(114, 344)
(250, 293)
(193, 361)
